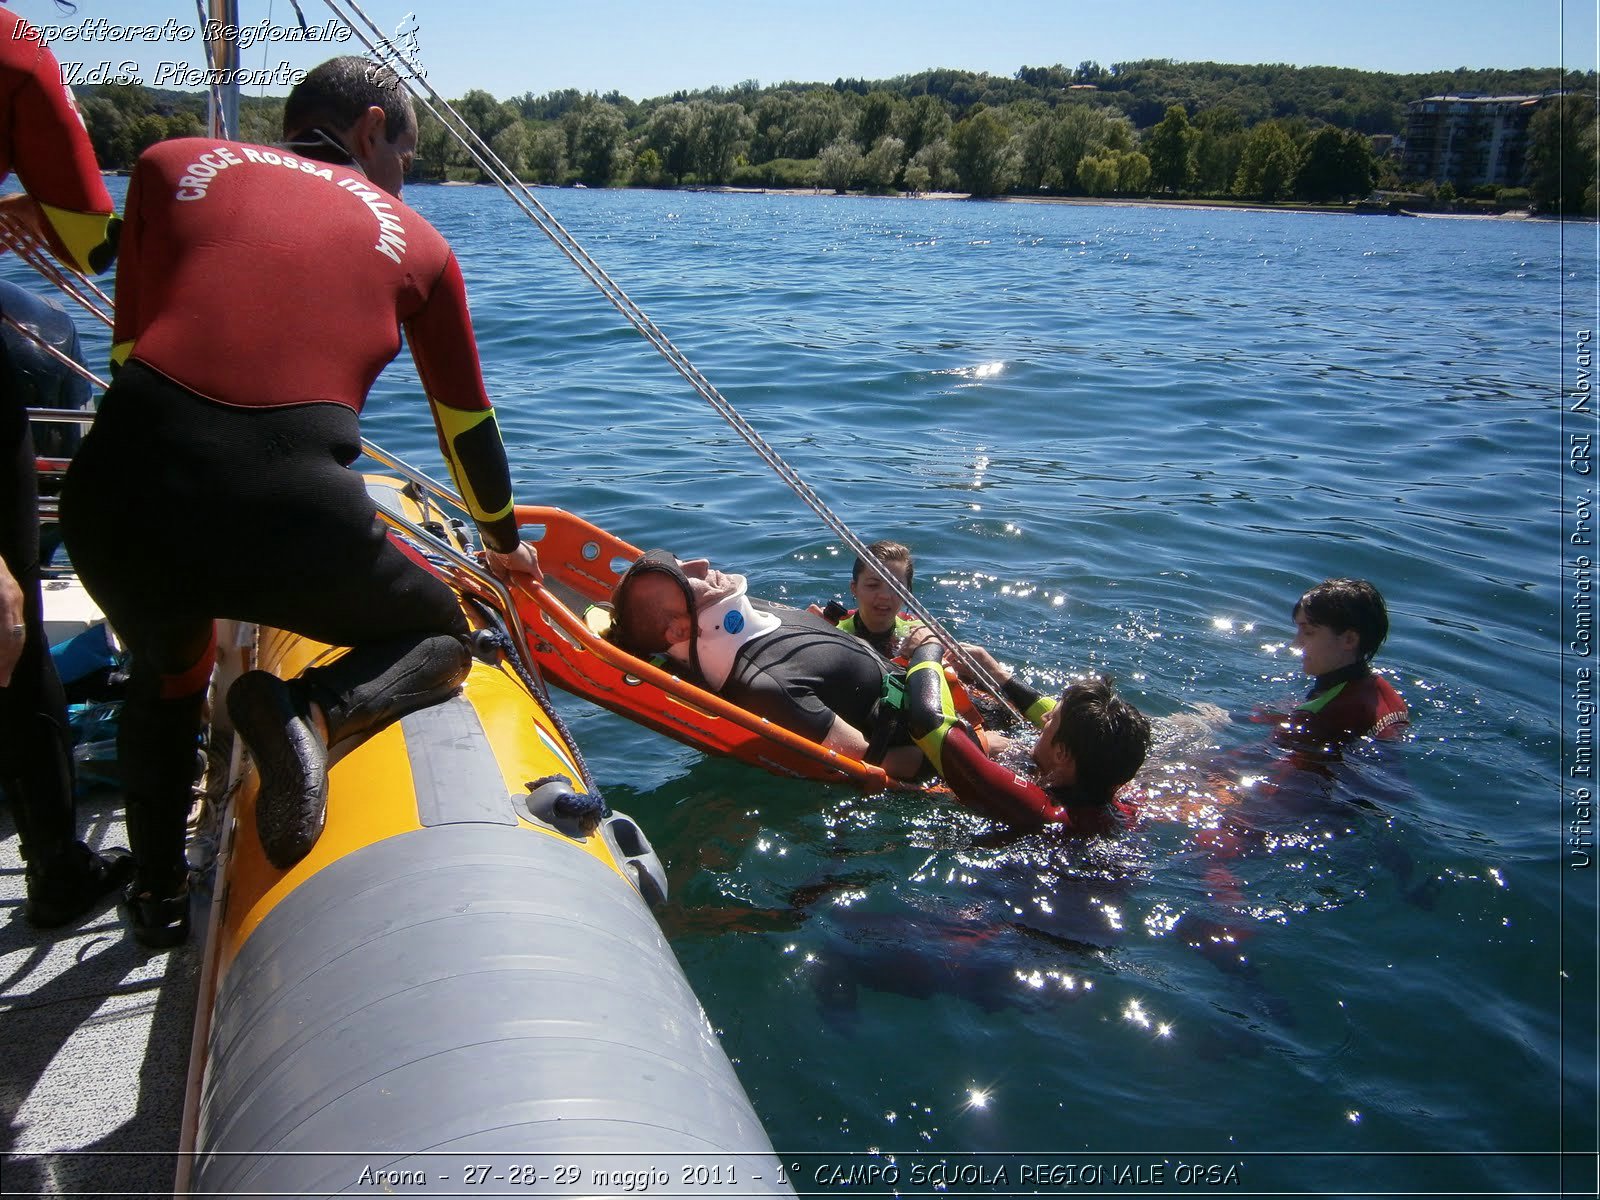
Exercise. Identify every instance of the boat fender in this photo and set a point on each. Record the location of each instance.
(558, 804)
(630, 845)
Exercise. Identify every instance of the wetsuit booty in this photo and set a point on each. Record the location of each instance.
(158, 922)
(274, 719)
(375, 684)
(72, 882)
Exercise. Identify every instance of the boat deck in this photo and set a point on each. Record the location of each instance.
(96, 1041)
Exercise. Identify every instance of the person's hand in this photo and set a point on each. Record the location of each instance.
(519, 567)
(916, 640)
(986, 662)
(13, 633)
(995, 744)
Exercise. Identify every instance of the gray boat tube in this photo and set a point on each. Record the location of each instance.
(474, 1007)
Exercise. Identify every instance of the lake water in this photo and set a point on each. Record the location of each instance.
(1120, 439)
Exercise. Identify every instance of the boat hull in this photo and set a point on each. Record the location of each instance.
(456, 980)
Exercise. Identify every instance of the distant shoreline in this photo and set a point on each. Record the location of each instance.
(1202, 205)
(1144, 202)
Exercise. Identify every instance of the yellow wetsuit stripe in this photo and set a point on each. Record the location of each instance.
(1039, 710)
(932, 742)
(1318, 703)
(454, 423)
(80, 233)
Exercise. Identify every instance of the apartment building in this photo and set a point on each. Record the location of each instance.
(1468, 139)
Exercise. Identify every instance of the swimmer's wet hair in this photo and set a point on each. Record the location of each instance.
(335, 94)
(1107, 737)
(890, 554)
(1345, 604)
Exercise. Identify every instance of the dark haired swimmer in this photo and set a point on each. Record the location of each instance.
(248, 398)
(1339, 625)
(1091, 743)
(877, 619)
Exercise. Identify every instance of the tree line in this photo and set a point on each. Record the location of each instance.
(1154, 128)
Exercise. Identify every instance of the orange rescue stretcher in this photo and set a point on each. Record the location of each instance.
(565, 630)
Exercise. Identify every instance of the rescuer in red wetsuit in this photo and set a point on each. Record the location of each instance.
(66, 206)
(1091, 743)
(260, 291)
(43, 140)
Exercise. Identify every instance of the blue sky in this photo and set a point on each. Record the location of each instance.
(645, 48)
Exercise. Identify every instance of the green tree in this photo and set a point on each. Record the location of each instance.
(670, 133)
(921, 122)
(1097, 173)
(510, 145)
(1268, 165)
(720, 132)
(1133, 172)
(838, 164)
(881, 165)
(771, 117)
(935, 164)
(1562, 141)
(261, 121)
(1218, 147)
(1170, 148)
(437, 148)
(818, 120)
(875, 119)
(1338, 165)
(1036, 164)
(647, 169)
(547, 155)
(1077, 131)
(110, 115)
(598, 145)
(985, 160)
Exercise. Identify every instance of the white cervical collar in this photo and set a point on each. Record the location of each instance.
(723, 630)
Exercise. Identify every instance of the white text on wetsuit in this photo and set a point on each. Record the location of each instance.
(391, 234)
(198, 175)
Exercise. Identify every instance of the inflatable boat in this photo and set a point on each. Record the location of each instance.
(461, 988)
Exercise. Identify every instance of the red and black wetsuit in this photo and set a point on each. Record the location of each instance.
(977, 780)
(1352, 702)
(43, 140)
(258, 296)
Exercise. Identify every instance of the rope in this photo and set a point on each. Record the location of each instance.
(407, 71)
(21, 242)
(500, 639)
